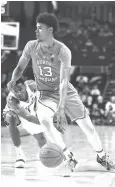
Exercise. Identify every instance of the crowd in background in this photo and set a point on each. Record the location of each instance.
(89, 40)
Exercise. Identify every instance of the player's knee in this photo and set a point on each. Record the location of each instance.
(11, 117)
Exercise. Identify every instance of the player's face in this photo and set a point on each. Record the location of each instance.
(43, 31)
(20, 91)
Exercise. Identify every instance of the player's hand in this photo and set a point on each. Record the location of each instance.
(12, 102)
(11, 85)
(60, 120)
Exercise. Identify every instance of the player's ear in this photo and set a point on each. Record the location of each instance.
(51, 29)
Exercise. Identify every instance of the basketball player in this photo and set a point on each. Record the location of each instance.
(51, 63)
(23, 94)
(21, 109)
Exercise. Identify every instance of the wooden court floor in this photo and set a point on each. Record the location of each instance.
(88, 172)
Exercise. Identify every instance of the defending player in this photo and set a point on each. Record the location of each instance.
(21, 110)
(51, 62)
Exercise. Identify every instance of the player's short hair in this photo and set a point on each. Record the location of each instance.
(48, 19)
(20, 81)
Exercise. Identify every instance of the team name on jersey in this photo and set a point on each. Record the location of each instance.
(45, 62)
(47, 79)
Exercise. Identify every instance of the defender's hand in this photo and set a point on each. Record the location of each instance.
(11, 85)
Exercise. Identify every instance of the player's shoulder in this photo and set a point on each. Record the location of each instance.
(31, 43)
(62, 45)
(64, 52)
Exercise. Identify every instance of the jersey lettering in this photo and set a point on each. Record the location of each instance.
(45, 71)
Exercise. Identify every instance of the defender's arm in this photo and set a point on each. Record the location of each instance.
(14, 104)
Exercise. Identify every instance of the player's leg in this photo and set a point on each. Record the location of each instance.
(45, 114)
(94, 139)
(36, 130)
(77, 112)
(12, 121)
(89, 130)
(41, 140)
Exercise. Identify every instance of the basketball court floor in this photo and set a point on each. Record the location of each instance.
(88, 172)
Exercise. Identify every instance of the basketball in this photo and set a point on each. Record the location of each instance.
(51, 155)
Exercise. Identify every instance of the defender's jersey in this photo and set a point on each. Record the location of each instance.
(29, 105)
(46, 66)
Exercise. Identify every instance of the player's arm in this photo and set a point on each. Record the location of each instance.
(65, 58)
(14, 104)
(22, 63)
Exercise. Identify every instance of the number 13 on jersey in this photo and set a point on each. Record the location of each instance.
(45, 71)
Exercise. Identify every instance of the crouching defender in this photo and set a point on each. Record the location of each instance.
(20, 110)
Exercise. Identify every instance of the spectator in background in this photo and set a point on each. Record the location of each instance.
(89, 103)
(100, 102)
(83, 98)
(110, 110)
(86, 90)
(95, 113)
(101, 106)
(81, 81)
(101, 32)
(107, 30)
(110, 105)
(95, 92)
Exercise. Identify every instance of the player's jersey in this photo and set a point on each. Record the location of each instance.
(46, 67)
(29, 105)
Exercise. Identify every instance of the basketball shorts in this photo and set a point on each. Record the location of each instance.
(74, 108)
(30, 127)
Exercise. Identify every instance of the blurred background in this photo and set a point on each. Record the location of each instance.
(87, 28)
